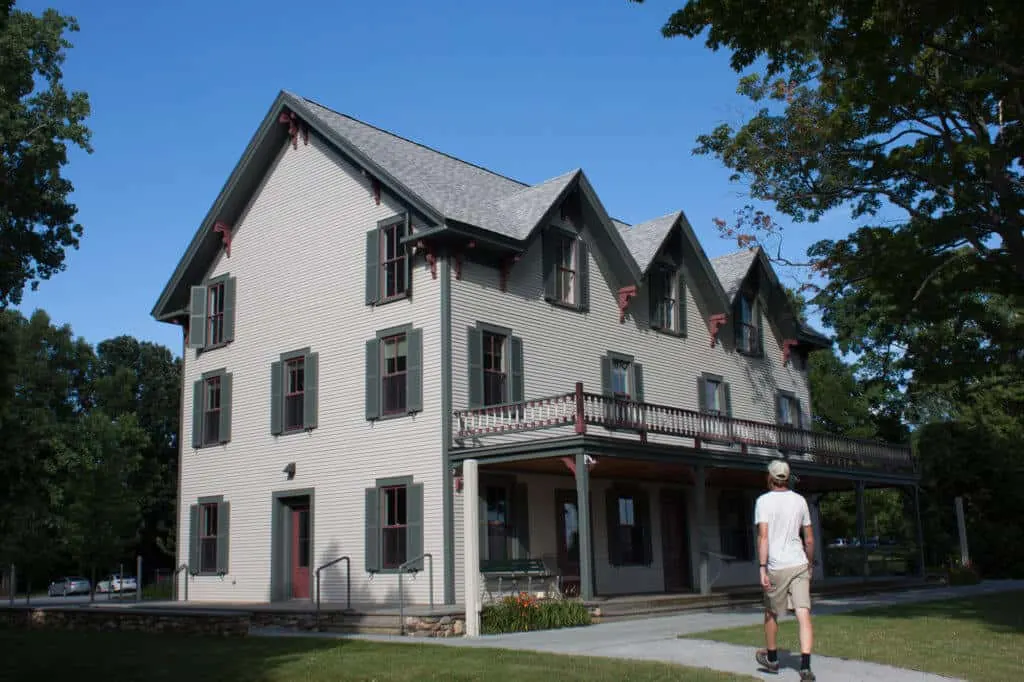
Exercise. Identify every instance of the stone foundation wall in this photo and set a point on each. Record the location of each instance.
(106, 620)
(435, 626)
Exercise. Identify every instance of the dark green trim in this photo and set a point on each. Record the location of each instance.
(394, 331)
(295, 354)
(493, 328)
(585, 526)
(448, 491)
(280, 547)
(622, 357)
(210, 499)
(393, 480)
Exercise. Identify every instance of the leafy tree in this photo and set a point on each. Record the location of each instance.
(143, 379)
(39, 120)
(103, 512)
(913, 108)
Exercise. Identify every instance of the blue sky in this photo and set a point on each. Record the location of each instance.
(530, 89)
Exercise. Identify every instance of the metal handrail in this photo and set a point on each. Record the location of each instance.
(179, 569)
(348, 584)
(405, 568)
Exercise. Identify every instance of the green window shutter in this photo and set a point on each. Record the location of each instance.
(737, 323)
(372, 266)
(799, 414)
(230, 286)
(702, 394)
(521, 509)
(414, 371)
(372, 379)
(414, 525)
(548, 259)
(778, 407)
(638, 382)
(653, 287)
(197, 414)
(193, 539)
(372, 549)
(406, 231)
(516, 387)
(475, 371)
(612, 508)
(225, 407)
(727, 397)
(223, 536)
(276, 398)
(606, 375)
(643, 517)
(760, 329)
(197, 318)
(311, 394)
(681, 305)
(582, 276)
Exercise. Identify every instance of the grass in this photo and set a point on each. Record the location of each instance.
(979, 639)
(166, 658)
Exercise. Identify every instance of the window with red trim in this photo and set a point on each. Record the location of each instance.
(566, 272)
(215, 314)
(495, 369)
(395, 523)
(393, 269)
(208, 538)
(211, 411)
(393, 377)
(294, 394)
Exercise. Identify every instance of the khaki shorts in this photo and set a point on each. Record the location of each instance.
(791, 589)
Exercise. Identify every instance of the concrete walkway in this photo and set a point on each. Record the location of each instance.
(657, 639)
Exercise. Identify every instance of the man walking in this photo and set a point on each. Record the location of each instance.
(780, 515)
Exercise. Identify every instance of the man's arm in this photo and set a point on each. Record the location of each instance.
(808, 535)
(762, 554)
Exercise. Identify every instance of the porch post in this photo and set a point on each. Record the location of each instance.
(861, 536)
(586, 540)
(471, 545)
(819, 535)
(920, 530)
(700, 500)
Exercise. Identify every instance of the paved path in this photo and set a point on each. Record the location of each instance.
(657, 639)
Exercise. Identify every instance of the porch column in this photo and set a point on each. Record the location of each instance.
(819, 560)
(700, 500)
(861, 536)
(586, 540)
(916, 490)
(471, 545)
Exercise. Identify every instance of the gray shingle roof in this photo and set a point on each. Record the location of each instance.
(644, 240)
(732, 268)
(519, 213)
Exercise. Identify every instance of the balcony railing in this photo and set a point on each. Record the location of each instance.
(580, 409)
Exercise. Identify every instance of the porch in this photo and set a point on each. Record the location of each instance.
(601, 498)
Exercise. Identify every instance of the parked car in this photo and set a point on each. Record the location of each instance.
(68, 585)
(117, 583)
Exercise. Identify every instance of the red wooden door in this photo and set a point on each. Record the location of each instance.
(300, 552)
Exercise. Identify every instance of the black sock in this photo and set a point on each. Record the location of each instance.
(773, 655)
(805, 661)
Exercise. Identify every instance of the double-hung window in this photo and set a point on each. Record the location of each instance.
(212, 313)
(211, 409)
(388, 261)
(495, 369)
(667, 298)
(394, 373)
(566, 268)
(394, 525)
(295, 392)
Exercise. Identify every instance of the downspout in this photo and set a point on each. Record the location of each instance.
(178, 545)
(446, 430)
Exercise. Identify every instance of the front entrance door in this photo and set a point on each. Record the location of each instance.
(675, 548)
(567, 523)
(300, 552)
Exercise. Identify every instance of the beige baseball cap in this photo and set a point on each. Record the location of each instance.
(779, 470)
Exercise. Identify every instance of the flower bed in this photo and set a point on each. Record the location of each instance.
(524, 612)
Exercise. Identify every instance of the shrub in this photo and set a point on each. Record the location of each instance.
(963, 575)
(523, 613)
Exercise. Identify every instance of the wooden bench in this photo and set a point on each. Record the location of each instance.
(514, 570)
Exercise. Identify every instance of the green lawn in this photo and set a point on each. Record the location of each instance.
(126, 657)
(979, 639)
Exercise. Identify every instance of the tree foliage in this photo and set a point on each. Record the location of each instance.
(87, 448)
(39, 120)
(911, 108)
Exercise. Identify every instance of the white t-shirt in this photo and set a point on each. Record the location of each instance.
(786, 513)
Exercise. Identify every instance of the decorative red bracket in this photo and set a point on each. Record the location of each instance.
(570, 463)
(225, 236)
(626, 294)
(458, 259)
(717, 321)
(787, 349)
(375, 184)
(431, 257)
(506, 266)
(295, 125)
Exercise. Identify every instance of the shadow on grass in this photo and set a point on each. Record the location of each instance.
(1002, 613)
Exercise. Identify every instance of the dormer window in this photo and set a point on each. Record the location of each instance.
(566, 271)
(747, 322)
(667, 298)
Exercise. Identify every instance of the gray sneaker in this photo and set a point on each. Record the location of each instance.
(761, 656)
(806, 675)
